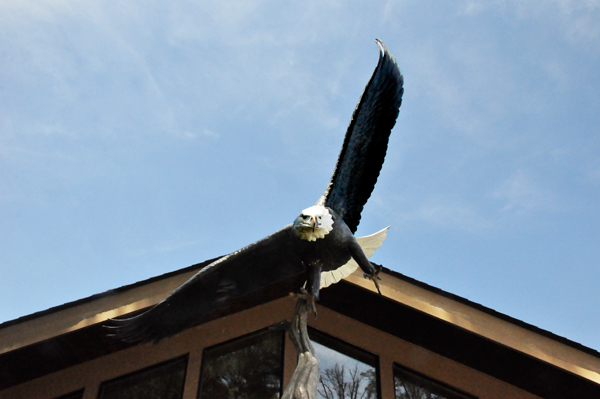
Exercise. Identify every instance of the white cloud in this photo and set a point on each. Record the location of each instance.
(578, 18)
(520, 193)
(449, 213)
(139, 251)
(211, 135)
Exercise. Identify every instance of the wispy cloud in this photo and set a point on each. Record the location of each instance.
(161, 248)
(578, 18)
(206, 133)
(520, 193)
(446, 213)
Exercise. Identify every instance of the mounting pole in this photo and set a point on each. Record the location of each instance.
(305, 379)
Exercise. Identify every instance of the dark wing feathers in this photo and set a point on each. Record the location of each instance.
(271, 268)
(266, 262)
(365, 144)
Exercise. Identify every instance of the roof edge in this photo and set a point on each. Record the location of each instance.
(94, 297)
(392, 273)
(494, 313)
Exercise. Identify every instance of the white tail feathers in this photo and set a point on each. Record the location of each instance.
(368, 244)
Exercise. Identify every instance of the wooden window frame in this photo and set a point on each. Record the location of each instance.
(152, 370)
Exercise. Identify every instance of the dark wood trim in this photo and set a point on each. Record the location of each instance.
(88, 343)
(494, 313)
(448, 340)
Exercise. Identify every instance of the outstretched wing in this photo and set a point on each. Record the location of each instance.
(240, 274)
(366, 141)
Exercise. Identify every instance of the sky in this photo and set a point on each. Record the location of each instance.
(138, 138)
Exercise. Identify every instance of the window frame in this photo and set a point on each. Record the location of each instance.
(175, 362)
(241, 342)
(73, 395)
(350, 350)
(434, 386)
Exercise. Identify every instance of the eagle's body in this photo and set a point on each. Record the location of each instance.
(334, 249)
(319, 247)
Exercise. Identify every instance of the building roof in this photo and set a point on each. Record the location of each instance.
(496, 344)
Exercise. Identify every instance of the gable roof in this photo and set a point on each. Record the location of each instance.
(496, 344)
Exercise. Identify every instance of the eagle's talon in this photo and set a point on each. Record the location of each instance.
(375, 276)
(377, 286)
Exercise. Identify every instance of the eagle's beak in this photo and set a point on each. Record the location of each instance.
(315, 223)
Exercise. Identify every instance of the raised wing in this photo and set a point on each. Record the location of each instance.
(213, 289)
(365, 144)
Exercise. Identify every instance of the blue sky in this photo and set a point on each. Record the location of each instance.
(137, 138)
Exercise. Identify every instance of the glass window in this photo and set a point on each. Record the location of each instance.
(411, 385)
(164, 381)
(247, 368)
(346, 371)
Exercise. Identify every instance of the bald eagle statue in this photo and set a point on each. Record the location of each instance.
(316, 250)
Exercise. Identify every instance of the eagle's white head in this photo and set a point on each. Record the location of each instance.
(313, 223)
